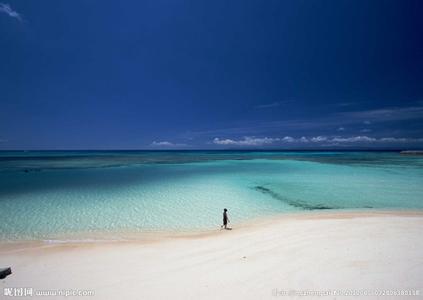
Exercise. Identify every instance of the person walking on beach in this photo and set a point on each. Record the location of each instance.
(225, 219)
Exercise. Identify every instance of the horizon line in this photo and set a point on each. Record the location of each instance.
(227, 149)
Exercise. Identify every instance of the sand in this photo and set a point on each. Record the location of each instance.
(318, 253)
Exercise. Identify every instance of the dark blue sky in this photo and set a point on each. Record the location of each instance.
(210, 74)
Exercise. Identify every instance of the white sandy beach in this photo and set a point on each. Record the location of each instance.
(325, 252)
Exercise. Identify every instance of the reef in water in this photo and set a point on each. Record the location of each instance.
(296, 203)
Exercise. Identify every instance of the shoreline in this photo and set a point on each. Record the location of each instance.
(154, 236)
(366, 251)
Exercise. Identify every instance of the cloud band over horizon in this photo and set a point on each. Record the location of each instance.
(317, 140)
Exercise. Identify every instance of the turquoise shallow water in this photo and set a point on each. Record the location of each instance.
(45, 195)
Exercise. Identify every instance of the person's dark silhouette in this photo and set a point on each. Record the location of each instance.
(225, 218)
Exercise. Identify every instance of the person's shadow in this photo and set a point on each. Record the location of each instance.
(227, 228)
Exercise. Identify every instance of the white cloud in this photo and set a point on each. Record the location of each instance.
(396, 140)
(320, 140)
(269, 105)
(166, 144)
(365, 130)
(289, 139)
(246, 141)
(341, 129)
(5, 8)
(364, 139)
(274, 104)
(353, 139)
(401, 140)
